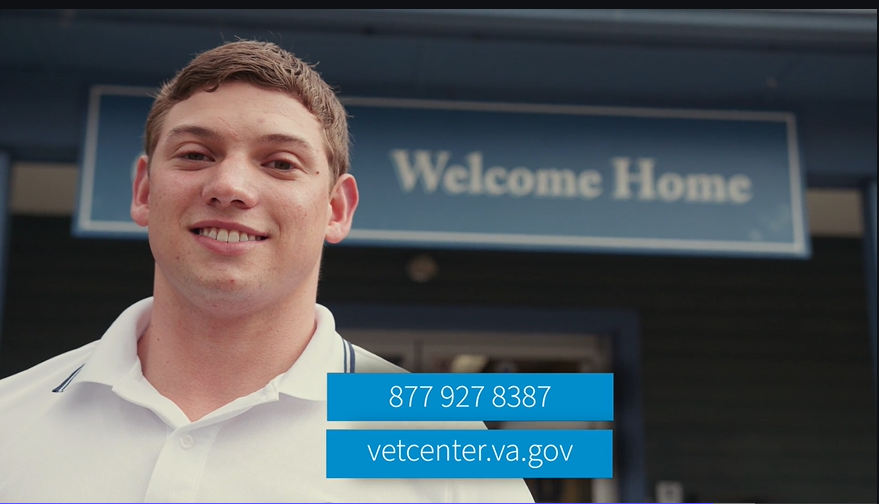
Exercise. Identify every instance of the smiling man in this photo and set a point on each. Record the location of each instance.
(214, 389)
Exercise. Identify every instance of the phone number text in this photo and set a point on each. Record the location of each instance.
(462, 396)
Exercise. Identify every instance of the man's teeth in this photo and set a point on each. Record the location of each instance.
(225, 235)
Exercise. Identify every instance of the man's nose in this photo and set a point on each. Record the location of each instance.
(231, 183)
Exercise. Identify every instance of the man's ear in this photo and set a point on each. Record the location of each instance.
(140, 193)
(343, 202)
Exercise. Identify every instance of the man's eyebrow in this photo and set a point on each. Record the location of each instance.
(197, 131)
(280, 138)
(272, 138)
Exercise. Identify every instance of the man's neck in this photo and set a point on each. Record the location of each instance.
(202, 359)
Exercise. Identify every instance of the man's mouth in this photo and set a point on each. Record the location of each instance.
(226, 235)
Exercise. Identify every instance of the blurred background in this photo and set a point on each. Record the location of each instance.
(739, 379)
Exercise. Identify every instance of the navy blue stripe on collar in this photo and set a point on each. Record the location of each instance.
(348, 359)
(65, 383)
(344, 355)
(351, 357)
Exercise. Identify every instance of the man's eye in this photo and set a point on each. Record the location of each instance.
(281, 165)
(194, 156)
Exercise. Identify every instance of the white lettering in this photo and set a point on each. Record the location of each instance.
(556, 183)
(624, 178)
(409, 454)
(429, 172)
(429, 450)
(492, 185)
(740, 189)
(513, 454)
(468, 449)
(497, 455)
(474, 159)
(706, 188)
(520, 182)
(546, 453)
(566, 454)
(374, 454)
(670, 186)
(454, 179)
(642, 183)
(589, 184)
(438, 455)
(388, 450)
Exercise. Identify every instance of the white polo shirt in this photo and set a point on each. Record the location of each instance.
(87, 426)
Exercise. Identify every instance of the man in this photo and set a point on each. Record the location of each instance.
(215, 388)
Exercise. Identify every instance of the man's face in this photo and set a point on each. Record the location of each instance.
(237, 197)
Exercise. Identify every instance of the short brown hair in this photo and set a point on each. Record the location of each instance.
(265, 65)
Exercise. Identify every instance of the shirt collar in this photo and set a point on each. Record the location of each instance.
(116, 354)
(325, 353)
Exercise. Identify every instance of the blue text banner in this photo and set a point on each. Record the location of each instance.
(470, 396)
(469, 454)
